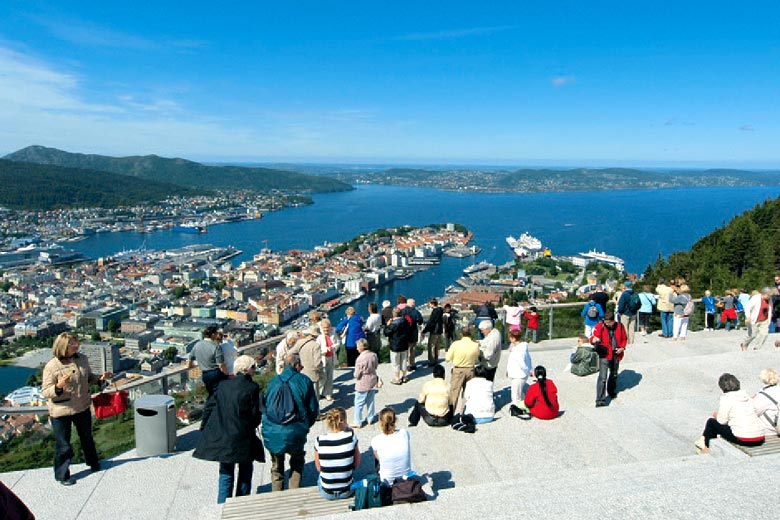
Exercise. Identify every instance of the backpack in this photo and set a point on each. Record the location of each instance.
(593, 312)
(280, 406)
(689, 307)
(773, 422)
(408, 491)
(634, 302)
(584, 362)
(738, 305)
(368, 493)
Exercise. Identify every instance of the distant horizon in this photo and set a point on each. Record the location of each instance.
(539, 84)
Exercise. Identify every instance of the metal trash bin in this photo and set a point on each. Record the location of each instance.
(155, 425)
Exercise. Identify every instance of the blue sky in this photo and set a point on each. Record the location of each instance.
(544, 82)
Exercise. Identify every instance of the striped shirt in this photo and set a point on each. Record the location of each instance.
(337, 460)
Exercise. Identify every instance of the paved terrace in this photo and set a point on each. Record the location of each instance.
(632, 459)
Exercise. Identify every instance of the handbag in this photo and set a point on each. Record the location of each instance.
(408, 491)
(368, 493)
(109, 404)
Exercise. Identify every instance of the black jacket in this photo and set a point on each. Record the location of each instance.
(435, 324)
(397, 333)
(229, 421)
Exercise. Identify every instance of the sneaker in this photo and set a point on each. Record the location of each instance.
(356, 426)
(599, 404)
(329, 398)
(396, 381)
(405, 379)
(94, 469)
(701, 447)
(68, 481)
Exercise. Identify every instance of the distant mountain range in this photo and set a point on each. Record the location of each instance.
(44, 187)
(548, 180)
(183, 172)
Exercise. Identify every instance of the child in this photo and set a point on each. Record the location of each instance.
(531, 324)
(518, 366)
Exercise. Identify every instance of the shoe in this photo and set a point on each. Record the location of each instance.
(329, 398)
(613, 396)
(411, 368)
(405, 379)
(356, 426)
(68, 481)
(599, 404)
(701, 447)
(743, 347)
(97, 467)
(396, 381)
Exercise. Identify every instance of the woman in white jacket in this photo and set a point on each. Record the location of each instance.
(736, 419)
(328, 341)
(518, 366)
(766, 401)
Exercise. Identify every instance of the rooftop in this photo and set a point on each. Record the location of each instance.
(633, 459)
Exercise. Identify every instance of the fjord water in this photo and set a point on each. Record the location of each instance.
(636, 225)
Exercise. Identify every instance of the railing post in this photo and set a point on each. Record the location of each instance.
(550, 331)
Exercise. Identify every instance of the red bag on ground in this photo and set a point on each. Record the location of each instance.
(109, 404)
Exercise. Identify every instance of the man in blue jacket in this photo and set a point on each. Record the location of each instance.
(291, 437)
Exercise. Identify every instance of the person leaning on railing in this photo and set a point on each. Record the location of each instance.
(66, 380)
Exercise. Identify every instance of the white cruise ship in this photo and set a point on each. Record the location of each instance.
(603, 257)
(525, 245)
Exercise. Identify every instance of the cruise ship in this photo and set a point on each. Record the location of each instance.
(524, 246)
(475, 268)
(595, 256)
(190, 228)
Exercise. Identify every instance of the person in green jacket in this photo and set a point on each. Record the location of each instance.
(289, 438)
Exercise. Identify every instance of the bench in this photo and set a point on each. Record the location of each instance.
(291, 503)
(770, 447)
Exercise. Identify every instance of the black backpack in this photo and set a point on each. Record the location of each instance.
(280, 406)
(634, 302)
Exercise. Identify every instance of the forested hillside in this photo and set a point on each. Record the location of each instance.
(745, 253)
(43, 187)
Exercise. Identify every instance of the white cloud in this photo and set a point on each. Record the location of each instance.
(561, 81)
(455, 33)
(747, 128)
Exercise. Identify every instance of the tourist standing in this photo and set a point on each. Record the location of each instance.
(609, 340)
(65, 383)
(485, 312)
(665, 308)
(708, 300)
(228, 430)
(490, 347)
(310, 353)
(513, 315)
(435, 330)
(283, 437)
(366, 381)
(449, 317)
(728, 313)
(283, 348)
(601, 297)
(373, 328)
(353, 325)
(627, 307)
(397, 332)
(463, 354)
(518, 366)
(592, 314)
(210, 359)
(680, 297)
(328, 341)
(531, 324)
(757, 313)
(415, 320)
(646, 310)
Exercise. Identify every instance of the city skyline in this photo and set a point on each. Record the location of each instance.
(526, 84)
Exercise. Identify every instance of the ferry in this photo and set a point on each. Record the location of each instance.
(190, 228)
(475, 268)
(603, 257)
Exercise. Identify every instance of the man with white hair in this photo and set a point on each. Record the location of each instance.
(757, 313)
(283, 348)
(490, 348)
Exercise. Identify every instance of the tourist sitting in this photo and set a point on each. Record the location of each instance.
(336, 455)
(392, 449)
(479, 396)
(766, 401)
(433, 405)
(736, 419)
(542, 397)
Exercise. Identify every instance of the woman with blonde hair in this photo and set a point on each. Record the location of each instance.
(328, 341)
(336, 455)
(680, 298)
(66, 380)
(767, 401)
(229, 422)
(352, 328)
(392, 448)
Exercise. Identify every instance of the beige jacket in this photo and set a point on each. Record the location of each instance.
(664, 292)
(311, 357)
(75, 397)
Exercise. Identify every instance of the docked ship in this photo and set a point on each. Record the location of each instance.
(190, 228)
(595, 256)
(475, 268)
(524, 246)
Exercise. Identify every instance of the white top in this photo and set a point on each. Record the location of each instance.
(394, 454)
(766, 409)
(373, 323)
(230, 352)
(518, 366)
(737, 410)
(479, 398)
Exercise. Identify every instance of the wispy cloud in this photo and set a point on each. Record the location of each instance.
(89, 34)
(562, 81)
(747, 128)
(673, 121)
(454, 33)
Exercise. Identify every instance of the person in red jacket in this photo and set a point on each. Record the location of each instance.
(609, 340)
(541, 399)
(531, 324)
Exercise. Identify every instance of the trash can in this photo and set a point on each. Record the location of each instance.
(155, 425)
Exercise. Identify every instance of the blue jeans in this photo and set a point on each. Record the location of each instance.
(333, 496)
(364, 398)
(666, 323)
(483, 420)
(226, 480)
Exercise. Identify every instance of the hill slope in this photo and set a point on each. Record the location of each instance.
(744, 253)
(44, 187)
(182, 171)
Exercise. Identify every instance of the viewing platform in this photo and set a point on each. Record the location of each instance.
(632, 459)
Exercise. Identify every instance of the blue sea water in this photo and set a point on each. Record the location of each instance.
(12, 377)
(636, 225)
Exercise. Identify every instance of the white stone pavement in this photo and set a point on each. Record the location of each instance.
(633, 459)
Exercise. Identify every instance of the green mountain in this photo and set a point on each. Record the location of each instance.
(43, 187)
(183, 172)
(744, 253)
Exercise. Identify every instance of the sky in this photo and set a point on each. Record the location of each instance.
(569, 83)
